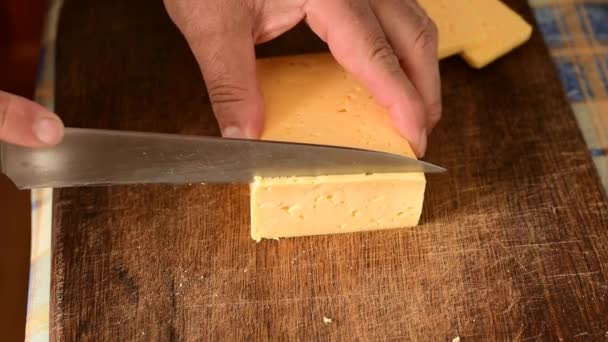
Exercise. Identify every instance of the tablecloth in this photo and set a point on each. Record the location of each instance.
(576, 32)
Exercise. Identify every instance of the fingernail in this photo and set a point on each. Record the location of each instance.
(232, 132)
(48, 130)
(422, 143)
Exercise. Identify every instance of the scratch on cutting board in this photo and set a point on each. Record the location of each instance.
(350, 261)
(293, 299)
(519, 333)
(509, 308)
(497, 240)
(535, 337)
(545, 244)
(575, 274)
(495, 263)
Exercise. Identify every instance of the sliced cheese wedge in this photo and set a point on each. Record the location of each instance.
(312, 99)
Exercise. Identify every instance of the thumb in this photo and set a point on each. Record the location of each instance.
(23, 122)
(224, 50)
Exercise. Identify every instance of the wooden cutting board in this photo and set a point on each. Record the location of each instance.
(512, 245)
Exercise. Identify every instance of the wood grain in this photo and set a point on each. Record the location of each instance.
(513, 243)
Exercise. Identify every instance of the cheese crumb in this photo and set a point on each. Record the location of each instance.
(326, 320)
(456, 339)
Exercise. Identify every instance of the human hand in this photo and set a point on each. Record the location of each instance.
(388, 45)
(26, 123)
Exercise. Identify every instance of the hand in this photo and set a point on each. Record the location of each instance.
(23, 122)
(388, 45)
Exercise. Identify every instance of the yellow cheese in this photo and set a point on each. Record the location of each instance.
(311, 99)
(458, 23)
(505, 30)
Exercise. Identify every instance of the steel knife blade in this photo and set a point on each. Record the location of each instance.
(88, 157)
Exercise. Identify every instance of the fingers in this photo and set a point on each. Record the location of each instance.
(359, 44)
(23, 122)
(220, 36)
(273, 18)
(413, 36)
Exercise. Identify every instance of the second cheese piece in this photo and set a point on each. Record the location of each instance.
(505, 30)
(458, 24)
(311, 99)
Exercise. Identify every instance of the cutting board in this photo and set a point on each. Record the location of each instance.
(512, 243)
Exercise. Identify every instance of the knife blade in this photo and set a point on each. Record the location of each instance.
(88, 157)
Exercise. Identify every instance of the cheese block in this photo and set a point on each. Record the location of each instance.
(504, 28)
(311, 99)
(458, 23)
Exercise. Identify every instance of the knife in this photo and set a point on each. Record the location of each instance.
(88, 157)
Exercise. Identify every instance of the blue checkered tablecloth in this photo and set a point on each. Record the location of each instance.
(576, 32)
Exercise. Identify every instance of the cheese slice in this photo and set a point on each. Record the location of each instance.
(458, 23)
(504, 28)
(311, 99)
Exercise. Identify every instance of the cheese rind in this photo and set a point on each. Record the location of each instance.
(311, 99)
(505, 31)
